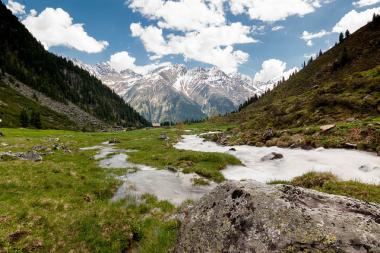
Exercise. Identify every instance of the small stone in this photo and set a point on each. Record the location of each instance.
(350, 145)
(31, 156)
(1, 134)
(8, 156)
(232, 149)
(268, 134)
(39, 148)
(164, 137)
(350, 119)
(171, 168)
(326, 128)
(272, 156)
(365, 168)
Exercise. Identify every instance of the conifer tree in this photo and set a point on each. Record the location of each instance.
(341, 37)
(24, 118)
(36, 120)
(347, 34)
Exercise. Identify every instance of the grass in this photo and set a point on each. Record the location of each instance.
(329, 183)
(63, 203)
(12, 103)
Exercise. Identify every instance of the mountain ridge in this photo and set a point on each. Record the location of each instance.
(24, 58)
(196, 93)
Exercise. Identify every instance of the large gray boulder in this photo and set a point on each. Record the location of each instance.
(249, 216)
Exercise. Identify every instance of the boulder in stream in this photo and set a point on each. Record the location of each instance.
(248, 216)
(272, 156)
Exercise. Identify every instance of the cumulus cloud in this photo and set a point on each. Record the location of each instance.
(353, 20)
(308, 37)
(54, 27)
(122, 61)
(212, 45)
(15, 7)
(363, 3)
(195, 29)
(277, 28)
(273, 69)
(183, 15)
(274, 10)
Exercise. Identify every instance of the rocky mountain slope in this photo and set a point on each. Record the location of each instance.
(175, 93)
(25, 59)
(340, 88)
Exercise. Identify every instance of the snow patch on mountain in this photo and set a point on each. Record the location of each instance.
(175, 93)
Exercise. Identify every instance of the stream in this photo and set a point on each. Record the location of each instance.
(346, 164)
(177, 187)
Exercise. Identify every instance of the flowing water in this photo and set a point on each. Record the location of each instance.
(175, 187)
(346, 164)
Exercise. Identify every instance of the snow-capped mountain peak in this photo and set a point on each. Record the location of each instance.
(175, 93)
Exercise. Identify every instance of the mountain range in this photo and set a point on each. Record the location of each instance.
(174, 93)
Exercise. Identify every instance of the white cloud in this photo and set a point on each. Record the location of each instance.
(54, 27)
(353, 20)
(212, 45)
(274, 10)
(273, 69)
(308, 56)
(308, 37)
(277, 28)
(15, 7)
(363, 3)
(183, 15)
(123, 61)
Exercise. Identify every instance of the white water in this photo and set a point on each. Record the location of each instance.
(343, 163)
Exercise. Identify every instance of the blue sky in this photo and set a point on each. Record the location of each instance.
(263, 32)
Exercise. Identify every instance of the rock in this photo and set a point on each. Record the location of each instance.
(365, 168)
(350, 119)
(268, 134)
(248, 216)
(232, 149)
(350, 145)
(259, 144)
(114, 141)
(272, 156)
(1, 134)
(326, 128)
(8, 156)
(164, 137)
(31, 156)
(171, 168)
(39, 148)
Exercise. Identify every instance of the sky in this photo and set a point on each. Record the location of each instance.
(260, 38)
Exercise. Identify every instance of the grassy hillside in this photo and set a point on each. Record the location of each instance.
(23, 57)
(341, 86)
(13, 103)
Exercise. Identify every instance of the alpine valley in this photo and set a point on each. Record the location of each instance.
(174, 93)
